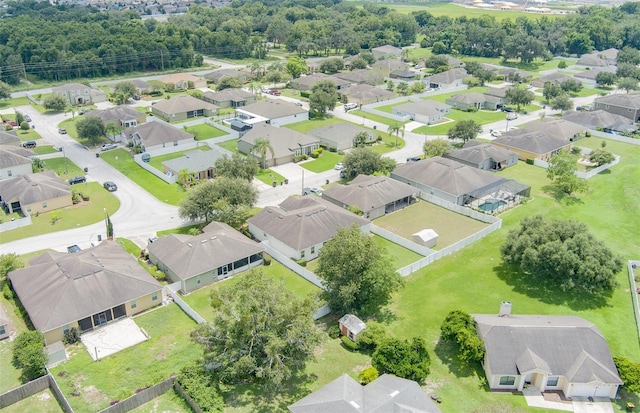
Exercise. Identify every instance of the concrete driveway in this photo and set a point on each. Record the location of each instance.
(599, 405)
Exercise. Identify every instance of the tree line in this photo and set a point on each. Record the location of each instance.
(62, 42)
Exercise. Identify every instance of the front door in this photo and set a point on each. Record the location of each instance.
(102, 318)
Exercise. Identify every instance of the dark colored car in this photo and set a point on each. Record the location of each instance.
(30, 144)
(77, 180)
(27, 118)
(62, 131)
(73, 248)
(508, 110)
(110, 186)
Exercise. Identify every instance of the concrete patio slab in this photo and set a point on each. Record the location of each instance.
(112, 337)
(598, 405)
(535, 399)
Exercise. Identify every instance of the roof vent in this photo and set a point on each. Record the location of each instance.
(505, 309)
(214, 237)
(354, 404)
(203, 241)
(394, 393)
(189, 245)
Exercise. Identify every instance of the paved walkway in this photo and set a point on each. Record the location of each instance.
(578, 405)
(536, 399)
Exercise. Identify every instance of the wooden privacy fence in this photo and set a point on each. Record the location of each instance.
(33, 387)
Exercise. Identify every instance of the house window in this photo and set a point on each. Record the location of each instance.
(313, 250)
(44, 205)
(507, 380)
(154, 296)
(133, 304)
(302, 254)
(2, 330)
(65, 328)
(28, 209)
(9, 172)
(175, 143)
(552, 381)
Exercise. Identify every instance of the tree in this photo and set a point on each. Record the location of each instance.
(571, 86)
(628, 84)
(5, 91)
(396, 128)
(199, 383)
(332, 65)
(233, 215)
(367, 162)
(323, 97)
(260, 332)
(417, 87)
(91, 129)
(360, 140)
(229, 82)
(435, 147)
(185, 177)
(458, 327)
(465, 130)
(29, 355)
(24, 125)
(403, 88)
(484, 76)
(561, 171)
(358, 63)
(260, 147)
(19, 118)
(54, 102)
(123, 91)
(237, 166)
(629, 373)
(200, 202)
(562, 64)
(9, 262)
(562, 103)
(562, 253)
(357, 276)
(551, 91)
(606, 78)
(403, 358)
(519, 97)
(601, 157)
(296, 66)
(37, 165)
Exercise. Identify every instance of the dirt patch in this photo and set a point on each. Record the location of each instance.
(358, 369)
(94, 396)
(161, 356)
(44, 396)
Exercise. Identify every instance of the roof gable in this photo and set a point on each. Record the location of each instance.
(535, 142)
(32, 188)
(157, 132)
(183, 103)
(369, 192)
(284, 141)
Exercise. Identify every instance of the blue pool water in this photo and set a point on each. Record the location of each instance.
(492, 205)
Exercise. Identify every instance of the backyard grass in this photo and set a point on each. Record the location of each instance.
(326, 161)
(230, 145)
(156, 161)
(42, 402)
(28, 135)
(451, 227)
(43, 150)
(81, 214)
(199, 300)
(397, 255)
(168, 193)
(205, 131)
(64, 167)
(311, 124)
(117, 377)
(269, 176)
(170, 401)
(389, 108)
(10, 377)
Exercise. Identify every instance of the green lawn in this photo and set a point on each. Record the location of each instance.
(64, 167)
(230, 145)
(481, 117)
(28, 135)
(117, 377)
(199, 300)
(42, 402)
(84, 213)
(70, 126)
(327, 160)
(13, 102)
(43, 150)
(269, 176)
(169, 193)
(10, 377)
(170, 401)
(389, 108)
(156, 161)
(397, 255)
(205, 131)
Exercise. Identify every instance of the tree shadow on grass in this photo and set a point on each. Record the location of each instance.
(560, 196)
(548, 291)
(447, 352)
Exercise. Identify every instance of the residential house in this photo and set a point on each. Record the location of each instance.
(453, 62)
(627, 105)
(9, 138)
(424, 111)
(286, 144)
(495, 97)
(15, 161)
(142, 86)
(533, 145)
(307, 82)
(557, 128)
(609, 122)
(513, 74)
(183, 81)
(386, 394)
(83, 290)
(183, 107)
(340, 136)
(549, 352)
(276, 112)
(6, 326)
(483, 156)
(79, 94)
(195, 261)
(300, 226)
(157, 135)
(609, 55)
(448, 79)
(362, 76)
(230, 98)
(351, 326)
(456, 182)
(591, 60)
(35, 193)
(555, 78)
(387, 52)
(364, 94)
(588, 77)
(388, 66)
(467, 101)
(405, 75)
(199, 164)
(122, 116)
(375, 196)
(214, 77)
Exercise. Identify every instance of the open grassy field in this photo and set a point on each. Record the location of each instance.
(13, 102)
(169, 193)
(451, 227)
(81, 214)
(116, 377)
(205, 131)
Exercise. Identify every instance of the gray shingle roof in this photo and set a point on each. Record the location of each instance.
(188, 256)
(368, 192)
(468, 98)
(14, 156)
(233, 95)
(478, 152)
(301, 222)
(141, 84)
(448, 76)
(73, 287)
(367, 92)
(355, 76)
(561, 345)
(353, 323)
(626, 100)
(69, 87)
(9, 138)
(183, 103)
(273, 108)
(386, 394)
(426, 107)
(557, 128)
(591, 74)
(284, 141)
(591, 59)
(446, 175)
(32, 188)
(156, 133)
(340, 132)
(120, 113)
(219, 74)
(535, 142)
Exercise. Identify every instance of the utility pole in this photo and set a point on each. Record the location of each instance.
(162, 60)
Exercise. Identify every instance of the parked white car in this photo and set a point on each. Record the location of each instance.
(350, 106)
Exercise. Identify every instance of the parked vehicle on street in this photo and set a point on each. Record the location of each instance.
(350, 106)
(30, 144)
(108, 146)
(275, 92)
(73, 248)
(77, 180)
(27, 118)
(62, 131)
(339, 166)
(496, 133)
(315, 191)
(110, 186)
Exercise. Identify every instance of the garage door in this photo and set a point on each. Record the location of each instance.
(591, 390)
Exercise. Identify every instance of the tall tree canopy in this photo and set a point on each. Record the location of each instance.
(562, 253)
(261, 332)
(366, 161)
(562, 172)
(408, 359)
(208, 201)
(464, 130)
(323, 97)
(357, 276)
(91, 129)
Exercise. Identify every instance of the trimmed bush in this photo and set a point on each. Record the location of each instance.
(266, 259)
(71, 336)
(368, 375)
(529, 161)
(334, 331)
(349, 344)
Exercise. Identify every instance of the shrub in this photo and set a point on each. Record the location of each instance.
(472, 109)
(302, 262)
(368, 375)
(529, 161)
(408, 359)
(7, 292)
(629, 373)
(349, 344)
(29, 355)
(576, 150)
(305, 94)
(266, 259)
(562, 64)
(372, 336)
(314, 154)
(334, 331)
(71, 336)
(195, 380)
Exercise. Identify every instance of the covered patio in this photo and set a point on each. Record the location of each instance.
(113, 337)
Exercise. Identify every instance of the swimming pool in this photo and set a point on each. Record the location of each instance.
(491, 205)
